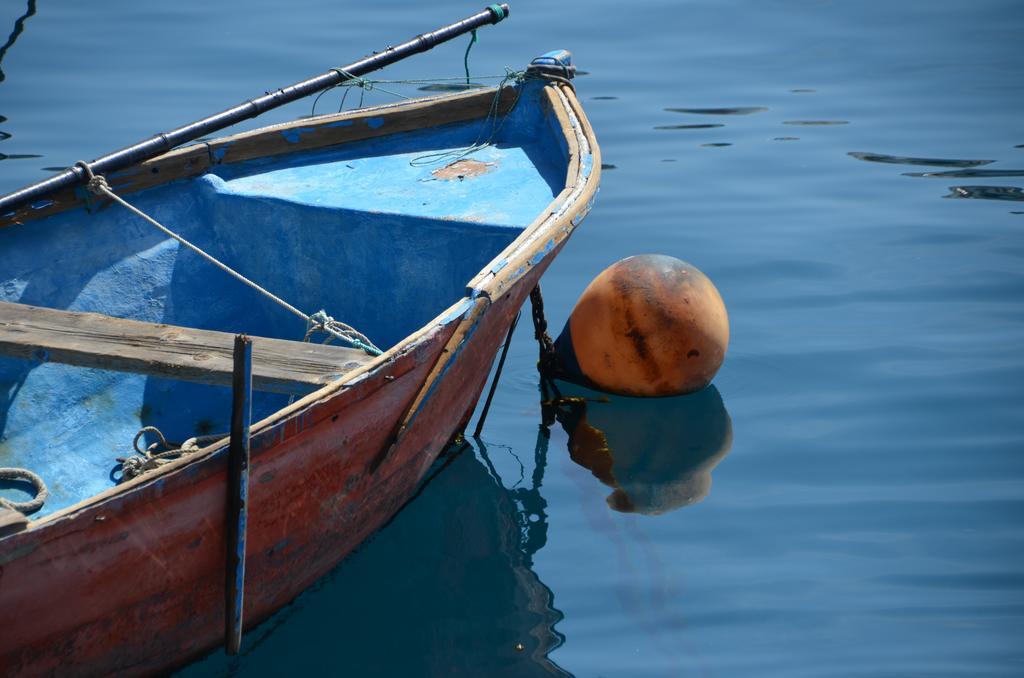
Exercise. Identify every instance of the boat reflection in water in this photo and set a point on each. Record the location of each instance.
(445, 589)
(656, 454)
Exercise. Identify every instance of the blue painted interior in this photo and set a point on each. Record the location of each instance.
(359, 231)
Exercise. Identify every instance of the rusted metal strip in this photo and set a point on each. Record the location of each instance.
(238, 493)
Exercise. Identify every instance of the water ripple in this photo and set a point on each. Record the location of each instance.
(817, 123)
(450, 87)
(1013, 193)
(907, 160)
(738, 110)
(701, 126)
(968, 173)
(18, 156)
(996, 581)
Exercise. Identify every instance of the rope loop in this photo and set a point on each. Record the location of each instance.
(352, 79)
(160, 452)
(24, 475)
(95, 183)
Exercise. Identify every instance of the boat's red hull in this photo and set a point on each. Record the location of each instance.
(135, 584)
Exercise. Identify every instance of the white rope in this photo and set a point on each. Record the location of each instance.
(318, 322)
(153, 457)
(24, 475)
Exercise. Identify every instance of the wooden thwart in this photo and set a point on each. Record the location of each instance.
(204, 356)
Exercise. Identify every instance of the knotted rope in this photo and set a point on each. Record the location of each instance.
(317, 322)
(153, 457)
(24, 475)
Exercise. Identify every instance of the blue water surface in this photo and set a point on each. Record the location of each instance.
(849, 175)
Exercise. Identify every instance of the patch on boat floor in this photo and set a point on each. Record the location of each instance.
(463, 169)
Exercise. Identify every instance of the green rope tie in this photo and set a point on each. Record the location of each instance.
(499, 12)
(465, 59)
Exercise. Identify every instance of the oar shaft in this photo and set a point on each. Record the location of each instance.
(161, 143)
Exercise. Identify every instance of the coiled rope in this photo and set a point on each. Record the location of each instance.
(317, 322)
(24, 475)
(161, 452)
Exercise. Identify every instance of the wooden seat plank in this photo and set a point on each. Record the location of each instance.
(204, 356)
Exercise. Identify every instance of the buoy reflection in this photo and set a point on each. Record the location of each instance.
(656, 454)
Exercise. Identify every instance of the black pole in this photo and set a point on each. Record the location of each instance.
(161, 143)
(238, 494)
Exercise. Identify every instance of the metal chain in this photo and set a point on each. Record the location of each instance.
(548, 364)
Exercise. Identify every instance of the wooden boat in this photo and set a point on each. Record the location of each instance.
(111, 326)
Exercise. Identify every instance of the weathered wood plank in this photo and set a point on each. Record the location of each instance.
(205, 356)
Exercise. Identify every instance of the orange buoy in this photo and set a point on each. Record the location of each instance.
(649, 325)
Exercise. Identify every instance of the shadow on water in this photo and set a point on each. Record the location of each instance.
(965, 171)
(445, 589)
(19, 26)
(701, 126)
(450, 86)
(656, 454)
(968, 174)
(905, 160)
(737, 110)
(1011, 193)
